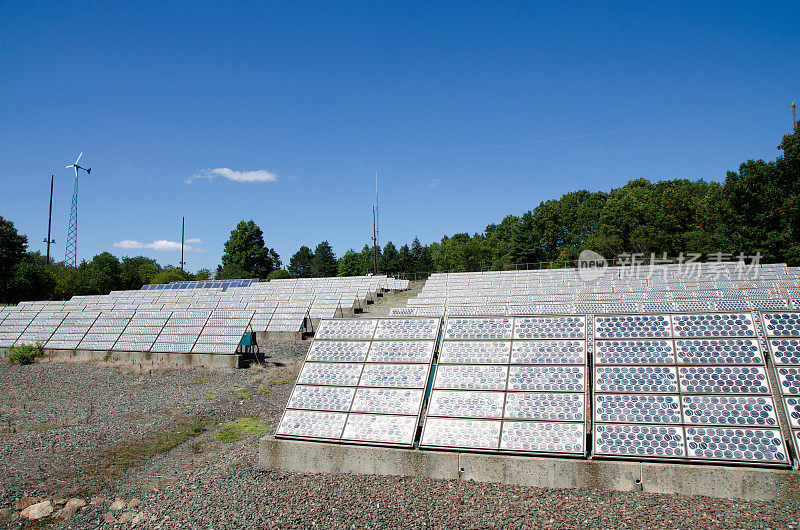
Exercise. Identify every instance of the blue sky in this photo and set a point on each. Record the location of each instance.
(284, 97)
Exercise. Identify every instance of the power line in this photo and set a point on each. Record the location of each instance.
(532, 142)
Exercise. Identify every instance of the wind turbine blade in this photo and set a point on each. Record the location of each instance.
(69, 166)
(79, 158)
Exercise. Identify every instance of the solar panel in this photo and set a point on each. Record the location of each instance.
(407, 328)
(470, 404)
(470, 377)
(378, 428)
(395, 375)
(714, 325)
(338, 351)
(723, 379)
(637, 408)
(406, 351)
(478, 352)
(745, 444)
(557, 327)
(336, 399)
(539, 437)
(634, 352)
(461, 433)
(547, 378)
(548, 352)
(312, 424)
(479, 328)
(346, 329)
(648, 379)
(730, 410)
(637, 441)
(544, 406)
(719, 351)
(632, 326)
(343, 374)
(388, 400)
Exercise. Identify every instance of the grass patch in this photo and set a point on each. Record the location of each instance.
(114, 462)
(241, 429)
(210, 396)
(263, 389)
(201, 380)
(25, 353)
(44, 427)
(242, 394)
(236, 465)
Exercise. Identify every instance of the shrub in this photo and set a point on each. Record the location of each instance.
(25, 353)
(279, 274)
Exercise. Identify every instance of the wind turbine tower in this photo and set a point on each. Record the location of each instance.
(71, 256)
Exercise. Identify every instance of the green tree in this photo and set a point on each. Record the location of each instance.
(405, 263)
(202, 274)
(12, 250)
(171, 274)
(300, 263)
(368, 259)
(105, 273)
(245, 251)
(351, 264)
(324, 264)
(280, 274)
(389, 259)
(138, 271)
(33, 279)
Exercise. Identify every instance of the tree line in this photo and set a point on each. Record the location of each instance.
(754, 210)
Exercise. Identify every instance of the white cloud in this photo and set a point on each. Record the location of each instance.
(194, 241)
(256, 175)
(435, 183)
(160, 245)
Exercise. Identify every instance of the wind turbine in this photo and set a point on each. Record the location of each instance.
(71, 257)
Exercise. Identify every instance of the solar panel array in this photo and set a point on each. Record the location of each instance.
(173, 320)
(783, 336)
(510, 384)
(683, 386)
(190, 331)
(696, 287)
(205, 284)
(363, 381)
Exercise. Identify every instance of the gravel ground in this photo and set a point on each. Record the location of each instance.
(383, 304)
(62, 424)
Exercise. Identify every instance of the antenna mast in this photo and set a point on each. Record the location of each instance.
(377, 213)
(50, 240)
(183, 224)
(374, 244)
(71, 254)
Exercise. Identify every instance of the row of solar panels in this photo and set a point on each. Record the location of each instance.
(684, 306)
(208, 284)
(687, 387)
(196, 331)
(637, 270)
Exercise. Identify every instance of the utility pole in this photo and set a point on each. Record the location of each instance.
(183, 224)
(794, 115)
(377, 213)
(374, 244)
(49, 240)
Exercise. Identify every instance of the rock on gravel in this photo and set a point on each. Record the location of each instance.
(37, 511)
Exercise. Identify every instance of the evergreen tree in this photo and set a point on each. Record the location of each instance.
(300, 264)
(324, 262)
(245, 253)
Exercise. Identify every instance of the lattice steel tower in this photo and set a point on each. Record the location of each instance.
(71, 255)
